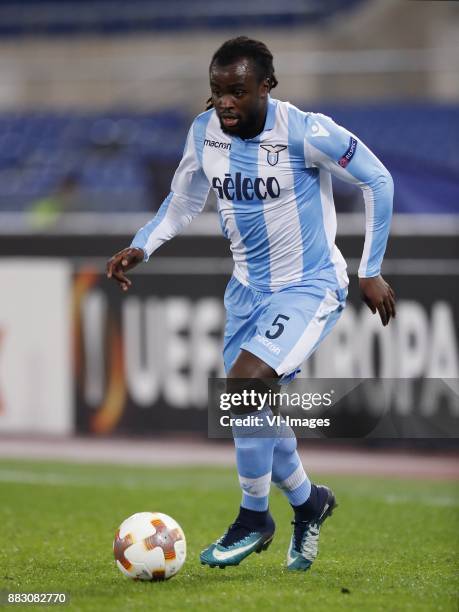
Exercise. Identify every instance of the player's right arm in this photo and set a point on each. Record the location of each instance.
(189, 190)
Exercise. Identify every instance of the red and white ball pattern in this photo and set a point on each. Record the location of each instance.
(149, 546)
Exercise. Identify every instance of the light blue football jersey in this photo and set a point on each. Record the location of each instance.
(274, 195)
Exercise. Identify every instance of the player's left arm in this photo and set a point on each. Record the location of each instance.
(333, 148)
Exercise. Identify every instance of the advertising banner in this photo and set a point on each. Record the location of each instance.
(143, 359)
(35, 353)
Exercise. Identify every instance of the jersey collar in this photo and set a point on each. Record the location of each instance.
(269, 121)
(271, 114)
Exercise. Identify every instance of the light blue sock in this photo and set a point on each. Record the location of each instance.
(254, 457)
(287, 471)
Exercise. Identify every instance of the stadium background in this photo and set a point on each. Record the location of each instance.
(95, 101)
(94, 109)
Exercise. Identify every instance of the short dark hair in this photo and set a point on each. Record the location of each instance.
(243, 47)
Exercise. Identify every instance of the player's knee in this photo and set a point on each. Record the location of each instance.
(249, 395)
(253, 380)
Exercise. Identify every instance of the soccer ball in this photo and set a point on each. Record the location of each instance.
(149, 546)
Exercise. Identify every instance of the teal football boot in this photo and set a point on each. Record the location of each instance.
(237, 543)
(304, 544)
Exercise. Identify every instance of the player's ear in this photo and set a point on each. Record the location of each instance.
(265, 86)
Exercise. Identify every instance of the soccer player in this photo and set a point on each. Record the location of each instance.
(270, 165)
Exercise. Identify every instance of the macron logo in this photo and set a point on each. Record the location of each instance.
(216, 144)
(269, 345)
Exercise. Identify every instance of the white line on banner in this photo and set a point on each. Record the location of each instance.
(207, 224)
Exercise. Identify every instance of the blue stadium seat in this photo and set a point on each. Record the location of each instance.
(107, 153)
(124, 161)
(106, 17)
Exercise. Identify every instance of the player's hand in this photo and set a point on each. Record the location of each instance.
(378, 296)
(121, 262)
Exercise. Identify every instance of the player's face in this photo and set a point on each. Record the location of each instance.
(239, 98)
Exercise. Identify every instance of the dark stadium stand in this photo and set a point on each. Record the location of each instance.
(418, 144)
(110, 156)
(124, 161)
(105, 17)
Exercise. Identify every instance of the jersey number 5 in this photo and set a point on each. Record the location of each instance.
(280, 327)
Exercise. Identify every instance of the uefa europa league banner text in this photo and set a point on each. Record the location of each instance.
(143, 360)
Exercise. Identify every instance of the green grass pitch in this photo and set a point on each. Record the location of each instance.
(391, 545)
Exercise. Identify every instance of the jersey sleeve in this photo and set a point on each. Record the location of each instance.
(331, 147)
(189, 191)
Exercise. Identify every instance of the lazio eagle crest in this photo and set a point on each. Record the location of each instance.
(273, 153)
